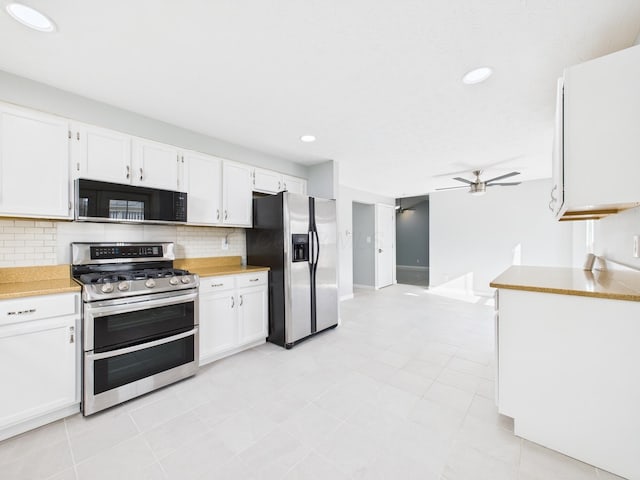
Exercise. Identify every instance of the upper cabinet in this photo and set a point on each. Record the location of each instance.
(597, 140)
(236, 194)
(268, 181)
(110, 156)
(34, 164)
(203, 182)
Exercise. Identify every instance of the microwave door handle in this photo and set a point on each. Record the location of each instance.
(142, 346)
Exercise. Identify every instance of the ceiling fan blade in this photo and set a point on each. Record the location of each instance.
(503, 184)
(470, 168)
(451, 188)
(506, 175)
(460, 179)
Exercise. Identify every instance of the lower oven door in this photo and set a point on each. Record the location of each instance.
(116, 376)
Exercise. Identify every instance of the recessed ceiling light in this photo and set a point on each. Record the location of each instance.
(477, 75)
(30, 17)
(307, 138)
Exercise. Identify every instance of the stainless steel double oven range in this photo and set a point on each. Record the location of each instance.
(139, 319)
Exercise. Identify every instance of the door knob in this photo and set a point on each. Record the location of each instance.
(379, 250)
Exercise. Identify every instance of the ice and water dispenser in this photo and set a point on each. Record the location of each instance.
(300, 247)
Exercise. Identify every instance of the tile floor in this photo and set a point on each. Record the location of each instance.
(403, 389)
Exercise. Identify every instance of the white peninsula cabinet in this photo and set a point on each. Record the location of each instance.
(34, 164)
(39, 361)
(568, 356)
(234, 312)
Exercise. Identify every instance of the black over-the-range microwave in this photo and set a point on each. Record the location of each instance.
(113, 202)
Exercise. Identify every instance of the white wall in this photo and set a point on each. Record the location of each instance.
(474, 238)
(614, 237)
(345, 201)
(364, 230)
(25, 92)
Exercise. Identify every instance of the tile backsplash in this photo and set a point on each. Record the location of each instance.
(35, 242)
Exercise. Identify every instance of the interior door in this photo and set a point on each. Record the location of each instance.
(385, 244)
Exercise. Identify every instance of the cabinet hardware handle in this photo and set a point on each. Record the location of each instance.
(233, 302)
(225, 215)
(241, 300)
(71, 335)
(141, 175)
(254, 279)
(78, 135)
(285, 186)
(278, 185)
(69, 133)
(217, 214)
(22, 312)
(217, 284)
(78, 166)
(128, 171)
(69, 206)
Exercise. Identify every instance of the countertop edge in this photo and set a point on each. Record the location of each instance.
(572, 292)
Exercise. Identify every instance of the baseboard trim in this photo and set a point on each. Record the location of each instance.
(367, 287)
(349, 296)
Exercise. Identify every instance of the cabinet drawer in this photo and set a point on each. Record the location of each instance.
(216, 284)
(34, 308)
(252, 279)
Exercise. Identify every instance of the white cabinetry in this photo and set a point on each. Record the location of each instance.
(110, 156)
(599, 141)
(39, 352)
(236, 194)
(268, 181)
(34, 164)
(567, 374)
(100, 154)
(233, 314)
(203, 182)
(155, 164)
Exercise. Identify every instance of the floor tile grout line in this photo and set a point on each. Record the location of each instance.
(73, 457)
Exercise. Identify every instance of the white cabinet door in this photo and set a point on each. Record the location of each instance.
(218, 324)
(294, 185)
(100, 154)
(155, 164)
(203, 185)
(34, 164)
(236, 194)
(253, 314)
(267, 181)
(37, 368)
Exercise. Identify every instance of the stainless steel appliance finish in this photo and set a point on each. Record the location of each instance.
(140, 320)
(295, 235)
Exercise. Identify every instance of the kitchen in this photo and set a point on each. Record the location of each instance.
(46, 240)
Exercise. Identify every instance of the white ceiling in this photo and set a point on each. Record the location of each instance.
(378, 82)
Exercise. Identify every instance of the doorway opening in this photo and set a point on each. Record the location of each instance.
(412, 240)
(364, 275)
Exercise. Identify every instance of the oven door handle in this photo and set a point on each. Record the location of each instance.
(142, 346)
(140, 303)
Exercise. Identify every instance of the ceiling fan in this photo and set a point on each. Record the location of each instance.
(479, 187)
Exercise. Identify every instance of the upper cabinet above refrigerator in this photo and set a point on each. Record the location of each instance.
(597, 140)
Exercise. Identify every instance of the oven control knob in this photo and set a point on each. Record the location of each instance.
(150, 283)
(173, 280)
(185, 279)
(122, 286)
(107, 288)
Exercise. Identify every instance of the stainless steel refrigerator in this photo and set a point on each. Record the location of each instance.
(296, 236)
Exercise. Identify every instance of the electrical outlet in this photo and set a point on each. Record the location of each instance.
(636, 246)
(225, 244)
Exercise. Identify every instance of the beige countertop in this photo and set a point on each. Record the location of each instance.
(616, 285)
(17, 282)
(214, 266)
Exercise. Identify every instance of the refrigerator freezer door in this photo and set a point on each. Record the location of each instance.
(297, 274)
(326, 274)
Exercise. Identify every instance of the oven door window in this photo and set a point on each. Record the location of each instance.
(120, 330)
(113, 372)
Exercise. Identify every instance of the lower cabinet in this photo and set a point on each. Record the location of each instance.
(39, 354)
(234, 312)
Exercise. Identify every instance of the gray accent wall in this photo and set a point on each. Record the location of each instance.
(412, 234)
(363, 244)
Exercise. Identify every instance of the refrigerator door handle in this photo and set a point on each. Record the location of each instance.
(311, 247)
(316, 249)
